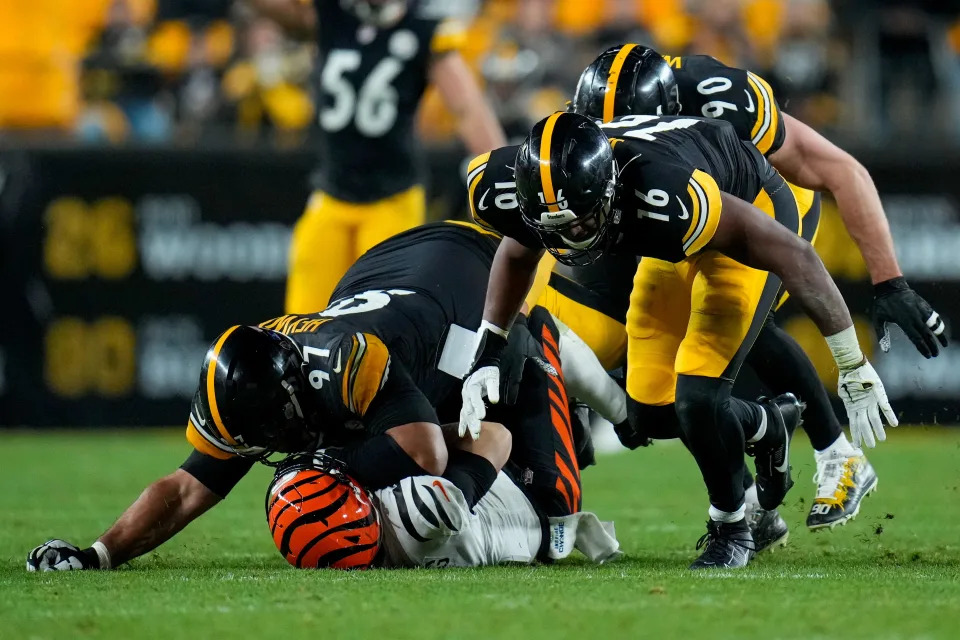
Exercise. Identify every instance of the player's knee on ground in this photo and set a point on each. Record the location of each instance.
(423, 442)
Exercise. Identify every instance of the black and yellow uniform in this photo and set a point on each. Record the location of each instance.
(691, 312)
(372, 357)
(711, 89)
(368, 181)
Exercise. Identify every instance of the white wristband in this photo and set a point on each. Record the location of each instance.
(492, 328)
(846, 349)
(104, 554)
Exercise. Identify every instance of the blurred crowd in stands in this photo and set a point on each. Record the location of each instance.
(176, 71)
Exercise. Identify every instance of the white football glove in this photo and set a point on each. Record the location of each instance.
(482, 383)
(864, 397)
(58, 555)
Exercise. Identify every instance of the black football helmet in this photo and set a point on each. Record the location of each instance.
(377, 13)
(253, 398)
(566, 181)
(626, 80)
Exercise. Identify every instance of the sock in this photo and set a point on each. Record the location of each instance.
(727, 516)
(783, 366)
(750, 500)
(840, 447)
(761, 429)
(751, 416)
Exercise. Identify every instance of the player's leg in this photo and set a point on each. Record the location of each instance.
(320, 253)
(543, 443)
(390, 216)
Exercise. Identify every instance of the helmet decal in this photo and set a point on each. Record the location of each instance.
(211, 393)
(610, 96)
(548, 195)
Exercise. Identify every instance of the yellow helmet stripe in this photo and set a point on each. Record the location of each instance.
(545, 178)
(211, 396)
(612, 77)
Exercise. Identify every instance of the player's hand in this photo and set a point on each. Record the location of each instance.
(521, 347)
(630, 436)
(60, 555)
(864, 397)
(482, 383)
(894, 302)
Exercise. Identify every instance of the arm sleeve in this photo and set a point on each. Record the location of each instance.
(586, 379)
(218, 475)
(472, 474)
(377, 462)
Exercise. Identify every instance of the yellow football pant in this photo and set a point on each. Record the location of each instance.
(332, 234)
(698, 317)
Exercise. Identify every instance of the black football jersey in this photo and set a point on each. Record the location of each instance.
(671, 171)
(710, 89)
(370, 82)
(372, 354)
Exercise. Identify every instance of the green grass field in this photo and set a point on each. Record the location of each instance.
(893, 573)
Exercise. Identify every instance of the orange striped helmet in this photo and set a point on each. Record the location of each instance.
(320, 517)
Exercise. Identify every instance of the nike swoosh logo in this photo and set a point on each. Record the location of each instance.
(438, 485)
(336, 368)
(198, 420)
(786, 458)
(750, 106)
(686, 214)
(480, 205)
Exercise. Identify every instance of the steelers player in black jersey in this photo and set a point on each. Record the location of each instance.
(375, 59)
(369, 380)
(633, 79)
(677, 192)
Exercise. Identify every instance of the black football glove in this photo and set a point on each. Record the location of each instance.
(60, 555)
(630, 436)
(894, 302)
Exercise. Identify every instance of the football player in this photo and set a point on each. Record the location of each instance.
(677, 192)
(374, 61)
(371, 378)
(422, 521)
(633, 79)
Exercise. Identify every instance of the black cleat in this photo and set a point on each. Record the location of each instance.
(729, 545)
(769, 529)
(842, 483)
(772, 453)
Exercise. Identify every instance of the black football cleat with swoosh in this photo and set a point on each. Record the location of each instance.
(772, 452)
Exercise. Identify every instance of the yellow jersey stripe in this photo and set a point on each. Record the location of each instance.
(697, 200)
(765, 129)
(211, 395)
(708, 194)
(612, 78)
(477, 163)
(476, 227)
(348, 371)
(545, 178)
(370, 373)
(203, 444)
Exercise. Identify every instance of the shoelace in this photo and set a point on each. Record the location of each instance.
(834, 478)
(714, 534)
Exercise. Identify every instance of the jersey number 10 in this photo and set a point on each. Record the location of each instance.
(373, 108)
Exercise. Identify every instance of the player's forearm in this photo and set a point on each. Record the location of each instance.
(862, 214)
(161, 511)
(479, 128)
(586, 379)
(511, 276)
(804, 276)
